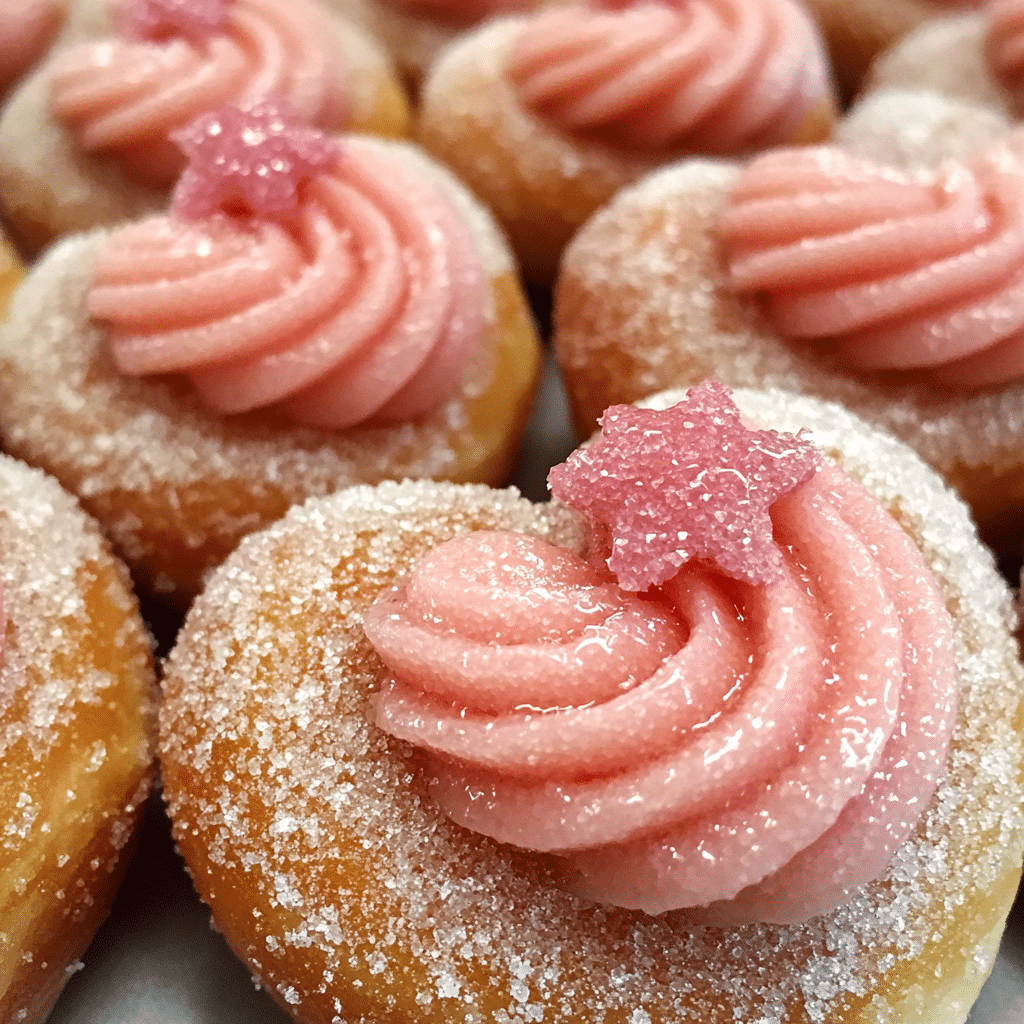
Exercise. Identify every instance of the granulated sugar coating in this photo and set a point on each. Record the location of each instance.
(352, 899)
(77, 724)
(541, 183)
(176, 486)
(545, 160)
(644, 304)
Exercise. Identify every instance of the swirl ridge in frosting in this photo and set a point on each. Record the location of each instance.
(772, 761)
(365, 305)
(887, 270)
(714, 76)
(127, 96)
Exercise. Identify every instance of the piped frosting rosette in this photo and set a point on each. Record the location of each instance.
(883, 269)
(174, 61)
(758, 745)
(354, 294)
(714, 76)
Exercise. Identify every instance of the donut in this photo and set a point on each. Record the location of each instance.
(372, 327)
(77, 730)
(547, 115)
(326, 847)
(88, 138)
(653, 294)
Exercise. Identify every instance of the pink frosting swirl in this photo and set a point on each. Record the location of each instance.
(126, 96)
(1004, 45)
(761, 768)
(26, 28)
(365, 307)
(888, 270)
(712, 76)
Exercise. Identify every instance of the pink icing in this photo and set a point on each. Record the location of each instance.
(760, 762)
(163, 19)
(252, 160)
(887, 270)
(713, 76)
(364, 305)
(125, 97)
(27, 27)
(724, 479)
(1004, 45)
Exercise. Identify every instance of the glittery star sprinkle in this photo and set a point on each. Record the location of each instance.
(158, 20)
(250, 160)
(663, 486)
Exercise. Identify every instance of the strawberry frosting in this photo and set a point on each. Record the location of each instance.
(887, 270)
(754, 750)
(713, 76)
(125, 95)
(26, 28)
(362, 305)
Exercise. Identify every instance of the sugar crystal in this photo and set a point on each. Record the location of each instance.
(249, 159)
(664, 486)
(159, 20)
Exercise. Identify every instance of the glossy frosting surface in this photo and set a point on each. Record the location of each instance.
(714, 76)
(125, 96)
(887, 270)
(758, 750)
(364, 306)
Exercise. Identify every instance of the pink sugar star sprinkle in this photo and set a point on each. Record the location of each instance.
(249, 160)
(158, 20)
(663, 486)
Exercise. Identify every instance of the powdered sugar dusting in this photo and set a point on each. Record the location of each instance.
(268, 751)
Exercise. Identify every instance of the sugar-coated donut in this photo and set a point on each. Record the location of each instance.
(912, 292)
(77, 727)
(394, 273)
(87, 139)
(545, 118)
(334, 875)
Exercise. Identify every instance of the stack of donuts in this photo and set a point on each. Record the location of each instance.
(722, 720)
